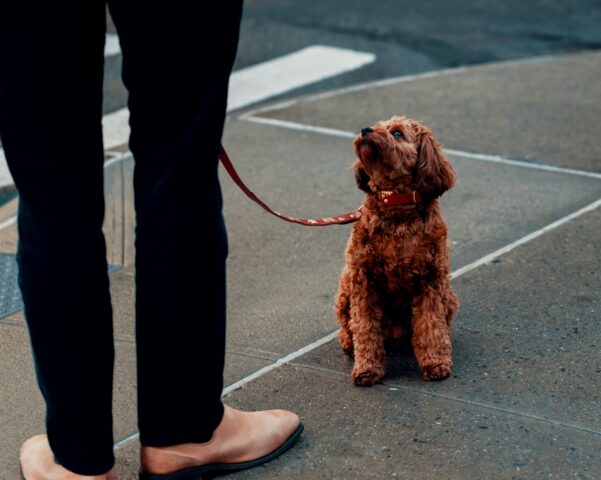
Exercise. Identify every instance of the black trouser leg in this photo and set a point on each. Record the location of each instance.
(176, 70)
(51, 59)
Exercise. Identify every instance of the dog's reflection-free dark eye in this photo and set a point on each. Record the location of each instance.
(397, 134)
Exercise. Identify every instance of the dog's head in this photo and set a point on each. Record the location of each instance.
(401, 155)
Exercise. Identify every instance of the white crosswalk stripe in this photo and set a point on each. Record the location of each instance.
(309, 65)
(111, 45)
(247, 86)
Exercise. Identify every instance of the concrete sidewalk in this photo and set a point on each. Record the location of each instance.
(525, 393)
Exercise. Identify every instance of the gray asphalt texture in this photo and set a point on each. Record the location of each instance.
(406, 37)
(525, 393)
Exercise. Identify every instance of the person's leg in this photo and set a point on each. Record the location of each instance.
(176, 70)
(50, 114)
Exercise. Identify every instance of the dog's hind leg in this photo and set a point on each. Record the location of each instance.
(343, 312)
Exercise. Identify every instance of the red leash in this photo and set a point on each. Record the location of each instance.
(310, 222)
(390, 199)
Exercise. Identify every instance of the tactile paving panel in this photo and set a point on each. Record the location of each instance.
(10, 296)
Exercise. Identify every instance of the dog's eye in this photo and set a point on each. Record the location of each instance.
(397, 134)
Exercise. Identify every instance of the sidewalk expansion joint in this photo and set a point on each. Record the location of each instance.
(462, 401)
(126, 339)
(287, 360)
(13, 324)
(250, 355)
(253, 376)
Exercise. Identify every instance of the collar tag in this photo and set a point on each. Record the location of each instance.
(392, 199)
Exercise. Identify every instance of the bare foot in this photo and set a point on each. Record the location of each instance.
(37, 463)
(242, 440)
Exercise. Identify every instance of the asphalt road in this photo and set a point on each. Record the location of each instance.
(406, 37)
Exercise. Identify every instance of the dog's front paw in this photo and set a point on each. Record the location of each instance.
(367, 375)
(436, 372)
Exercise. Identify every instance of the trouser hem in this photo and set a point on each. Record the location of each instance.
(165, 439)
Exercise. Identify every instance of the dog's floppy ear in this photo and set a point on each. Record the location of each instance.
(361, 177)
(434, 174)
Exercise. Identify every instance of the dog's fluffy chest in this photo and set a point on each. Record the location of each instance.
(395, 263)
(398, 258)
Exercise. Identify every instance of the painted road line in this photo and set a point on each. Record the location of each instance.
(275, 122)
(282, 361)
(400, 79)
(253, 376)
(115, 128)
(111, 45)
(123, 131)
(520, 163)
(457, 273)
(301, 127)
(5, 178)
(8, 222)
(115, 158)
(262, 81)
(282, 74)
(531, 236)
(248, 85)
(114, 123)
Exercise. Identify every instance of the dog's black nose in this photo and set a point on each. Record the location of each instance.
(366, 131)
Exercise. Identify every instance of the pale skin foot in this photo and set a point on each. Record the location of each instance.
(37, 463)
(240, 437)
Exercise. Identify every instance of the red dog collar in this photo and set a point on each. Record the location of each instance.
(392, 199)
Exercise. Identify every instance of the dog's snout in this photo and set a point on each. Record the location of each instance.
(366, 131)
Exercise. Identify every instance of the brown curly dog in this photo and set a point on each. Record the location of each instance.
(395, 284)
